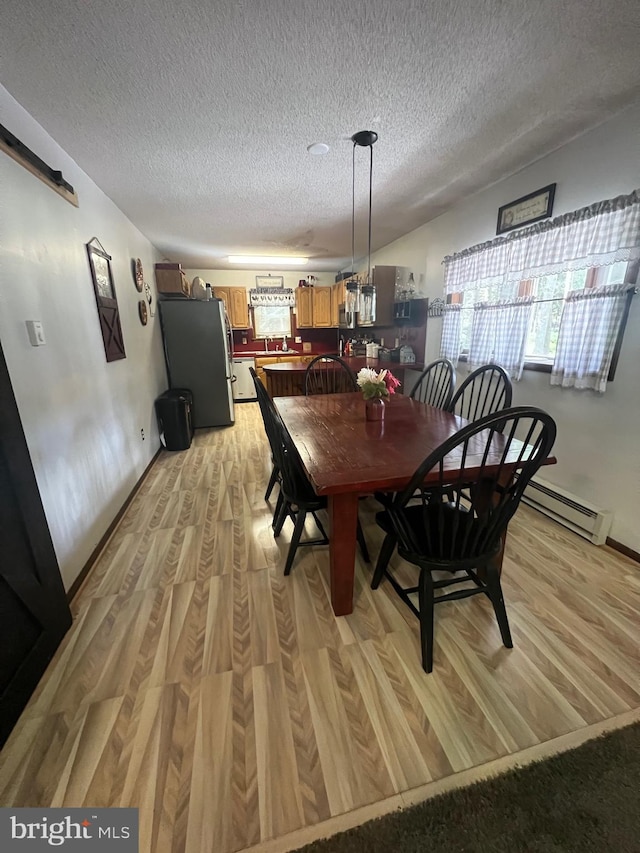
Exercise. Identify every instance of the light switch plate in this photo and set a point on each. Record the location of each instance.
(36, 333)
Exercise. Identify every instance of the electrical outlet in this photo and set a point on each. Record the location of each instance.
(298, 339)
(142, 434)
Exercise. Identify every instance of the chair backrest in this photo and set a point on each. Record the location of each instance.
(488, 470)
(436, 384)
(329, 374)
(485, 391)
(266, 410)
(295, 483)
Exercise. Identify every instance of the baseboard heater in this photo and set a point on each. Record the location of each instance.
(589, 521)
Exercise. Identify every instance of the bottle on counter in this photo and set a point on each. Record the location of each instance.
(285, 345)
(208, 294)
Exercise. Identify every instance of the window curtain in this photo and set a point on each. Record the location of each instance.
(588, 332)
(601, 234)
(268, 297)
(450, 340)
(499, 335)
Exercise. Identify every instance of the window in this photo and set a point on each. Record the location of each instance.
(549, 293)
(555, 295)
(272, 321)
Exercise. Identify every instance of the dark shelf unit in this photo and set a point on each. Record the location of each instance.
(411, 311)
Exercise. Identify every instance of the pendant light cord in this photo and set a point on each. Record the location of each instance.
(353, 209)
(370, 189)
(364, 138)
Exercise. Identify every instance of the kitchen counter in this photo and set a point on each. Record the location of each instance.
(286, 378)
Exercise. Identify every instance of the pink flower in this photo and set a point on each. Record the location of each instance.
(391, 382)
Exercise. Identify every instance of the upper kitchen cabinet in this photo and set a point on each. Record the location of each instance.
(337, 299)
(315, 308)
(384, 279)
(236, 305)
(322, 307)
(304, 307)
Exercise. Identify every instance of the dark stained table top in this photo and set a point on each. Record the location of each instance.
(343, 452)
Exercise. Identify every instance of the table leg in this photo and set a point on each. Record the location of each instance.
(343, 519)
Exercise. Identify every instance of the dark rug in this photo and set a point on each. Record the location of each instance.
(584, 800)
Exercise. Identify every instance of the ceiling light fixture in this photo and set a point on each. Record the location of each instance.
(318, 148)
(365, 139)
(267, 259)
(361, 299)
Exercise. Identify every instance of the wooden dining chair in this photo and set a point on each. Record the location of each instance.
(463, 534)
(329, 374)
(486, 390)
(265, 403)
(436, 384)
(298, 497)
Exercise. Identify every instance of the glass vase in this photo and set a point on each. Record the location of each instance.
(374, 409)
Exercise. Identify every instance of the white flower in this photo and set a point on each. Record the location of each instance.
(367, 374)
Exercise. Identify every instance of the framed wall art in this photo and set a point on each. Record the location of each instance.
(269, 281)
(105, 292)
(523, 211)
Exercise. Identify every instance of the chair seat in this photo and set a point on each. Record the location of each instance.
(439, 536)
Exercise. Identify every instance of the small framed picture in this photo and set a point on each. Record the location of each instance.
(101, 273)
(523, 211)
(106, 301)
(269, 281)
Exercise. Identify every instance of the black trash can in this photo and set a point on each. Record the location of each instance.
(175, 419)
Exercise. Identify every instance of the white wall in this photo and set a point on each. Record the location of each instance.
(598, 446)
(82, 416)
(247, 278)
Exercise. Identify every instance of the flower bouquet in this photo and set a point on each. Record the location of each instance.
(375, 387)
(376, 384)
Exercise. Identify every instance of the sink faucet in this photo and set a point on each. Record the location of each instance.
(266, 344)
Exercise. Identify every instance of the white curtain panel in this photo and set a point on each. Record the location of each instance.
(482, 335)
(450, 340)
(588, 332)
(499, 335)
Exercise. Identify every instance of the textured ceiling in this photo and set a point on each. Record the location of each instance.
(194, 116)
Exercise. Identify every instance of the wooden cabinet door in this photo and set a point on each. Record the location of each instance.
(321, 307)
(238, 308)
(336, 293)
(223, 293)
(304, 307)
(260, 362)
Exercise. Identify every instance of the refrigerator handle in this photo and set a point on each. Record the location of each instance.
(230, 353)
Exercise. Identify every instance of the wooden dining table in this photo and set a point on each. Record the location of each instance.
(346, 456)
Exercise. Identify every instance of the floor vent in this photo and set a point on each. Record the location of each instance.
(583, 518)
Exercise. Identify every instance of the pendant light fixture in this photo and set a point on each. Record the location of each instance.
(363, 299)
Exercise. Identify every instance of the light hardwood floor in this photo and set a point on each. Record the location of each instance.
(231, 706)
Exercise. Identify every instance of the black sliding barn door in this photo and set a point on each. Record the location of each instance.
(34, 614)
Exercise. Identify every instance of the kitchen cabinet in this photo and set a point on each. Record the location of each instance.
(315, 308)
(235, 303)
(321, 307)
(337, 299)
(384, 278)
(304, 307)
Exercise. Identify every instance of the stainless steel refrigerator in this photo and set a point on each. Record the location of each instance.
(198, 348)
